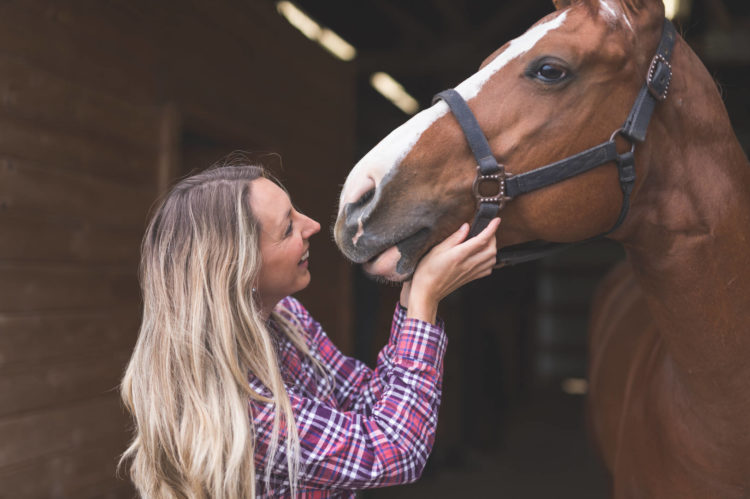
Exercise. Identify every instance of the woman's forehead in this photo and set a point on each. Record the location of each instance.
(269, 202)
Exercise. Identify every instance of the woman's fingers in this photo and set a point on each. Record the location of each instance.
(487, 236)
(456, 261)
(481, 251)
(482, 246)
(449, 265)
(454, 239)
(468, 246)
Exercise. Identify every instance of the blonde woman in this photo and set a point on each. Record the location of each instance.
(236, 392)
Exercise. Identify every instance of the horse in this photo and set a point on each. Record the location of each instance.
(669, 336)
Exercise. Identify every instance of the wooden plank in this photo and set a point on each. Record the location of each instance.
(32, 340)
(51, 384)
(163, 28)
(53, 238)
(123, 57)
(87, 472)
(283, 103)
(100, 55)
(166, 33)
(31, 188)
(30, 141)
(30, 92)
(29, 288)
(287, 109)
(40, 434)
(315, 68)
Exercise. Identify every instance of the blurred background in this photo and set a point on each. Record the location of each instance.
(103, 104)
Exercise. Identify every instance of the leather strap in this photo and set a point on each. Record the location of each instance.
(528, 252)
(486, 163)
(485, 214)
(534, 250)
(472, 131)
(654, 90)
(561, 170)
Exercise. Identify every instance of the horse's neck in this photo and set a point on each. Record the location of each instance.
(688, 234)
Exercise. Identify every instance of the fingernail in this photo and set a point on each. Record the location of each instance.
(464, 226)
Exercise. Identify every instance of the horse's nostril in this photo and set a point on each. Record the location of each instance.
(365, 198)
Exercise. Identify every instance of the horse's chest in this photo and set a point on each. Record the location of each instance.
(648, 430)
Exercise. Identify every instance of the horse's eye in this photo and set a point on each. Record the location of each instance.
(551, 73)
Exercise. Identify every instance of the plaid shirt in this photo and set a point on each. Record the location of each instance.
(372, 428)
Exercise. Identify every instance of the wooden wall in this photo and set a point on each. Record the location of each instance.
(102, 104)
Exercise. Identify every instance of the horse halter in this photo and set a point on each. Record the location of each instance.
(509, 186)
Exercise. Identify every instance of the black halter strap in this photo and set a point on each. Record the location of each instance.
(509, 186)
(488, 168)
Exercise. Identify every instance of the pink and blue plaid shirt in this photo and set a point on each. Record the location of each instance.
(372, 428)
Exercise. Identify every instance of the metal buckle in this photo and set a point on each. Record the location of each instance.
(499, 198)
(661, 87)
(621, 133)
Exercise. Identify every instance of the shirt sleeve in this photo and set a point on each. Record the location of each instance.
(383, 429)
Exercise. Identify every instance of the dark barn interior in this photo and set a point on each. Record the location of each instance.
(105, 104)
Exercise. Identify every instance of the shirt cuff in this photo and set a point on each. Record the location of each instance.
(399, 315)
(420, 341)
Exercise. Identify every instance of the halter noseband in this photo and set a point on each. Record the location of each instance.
(509, 186)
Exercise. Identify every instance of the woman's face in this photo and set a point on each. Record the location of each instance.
(284, 244)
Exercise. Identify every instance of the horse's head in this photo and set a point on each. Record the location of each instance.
(562, 87)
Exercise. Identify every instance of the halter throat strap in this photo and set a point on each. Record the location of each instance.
(509, 186)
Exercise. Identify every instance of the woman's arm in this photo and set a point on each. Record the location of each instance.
(387, 444)
(356, 387)
(384, 434)
(446, 267)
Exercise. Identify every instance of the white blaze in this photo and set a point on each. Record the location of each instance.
(395, 146)
(607, 11)
(612, 12)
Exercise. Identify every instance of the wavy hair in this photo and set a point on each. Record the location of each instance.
(186, 384)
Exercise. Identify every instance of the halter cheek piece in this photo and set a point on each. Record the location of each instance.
(508, 186)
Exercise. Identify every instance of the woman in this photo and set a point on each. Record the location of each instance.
(236, 391)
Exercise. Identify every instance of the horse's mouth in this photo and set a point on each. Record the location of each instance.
(397, 262)
(384, 265)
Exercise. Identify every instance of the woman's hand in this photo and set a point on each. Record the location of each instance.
(448, 266)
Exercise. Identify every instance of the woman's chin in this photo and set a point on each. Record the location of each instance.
(384, 266)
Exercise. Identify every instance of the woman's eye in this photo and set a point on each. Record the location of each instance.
(550, 73)
(288, 229)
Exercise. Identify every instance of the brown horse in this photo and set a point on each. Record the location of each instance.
(670, 334)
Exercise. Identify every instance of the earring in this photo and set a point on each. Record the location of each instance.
(253, 290)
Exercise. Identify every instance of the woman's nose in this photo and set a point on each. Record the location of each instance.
(311, 227)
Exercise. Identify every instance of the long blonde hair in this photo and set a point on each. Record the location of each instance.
(186, 385)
